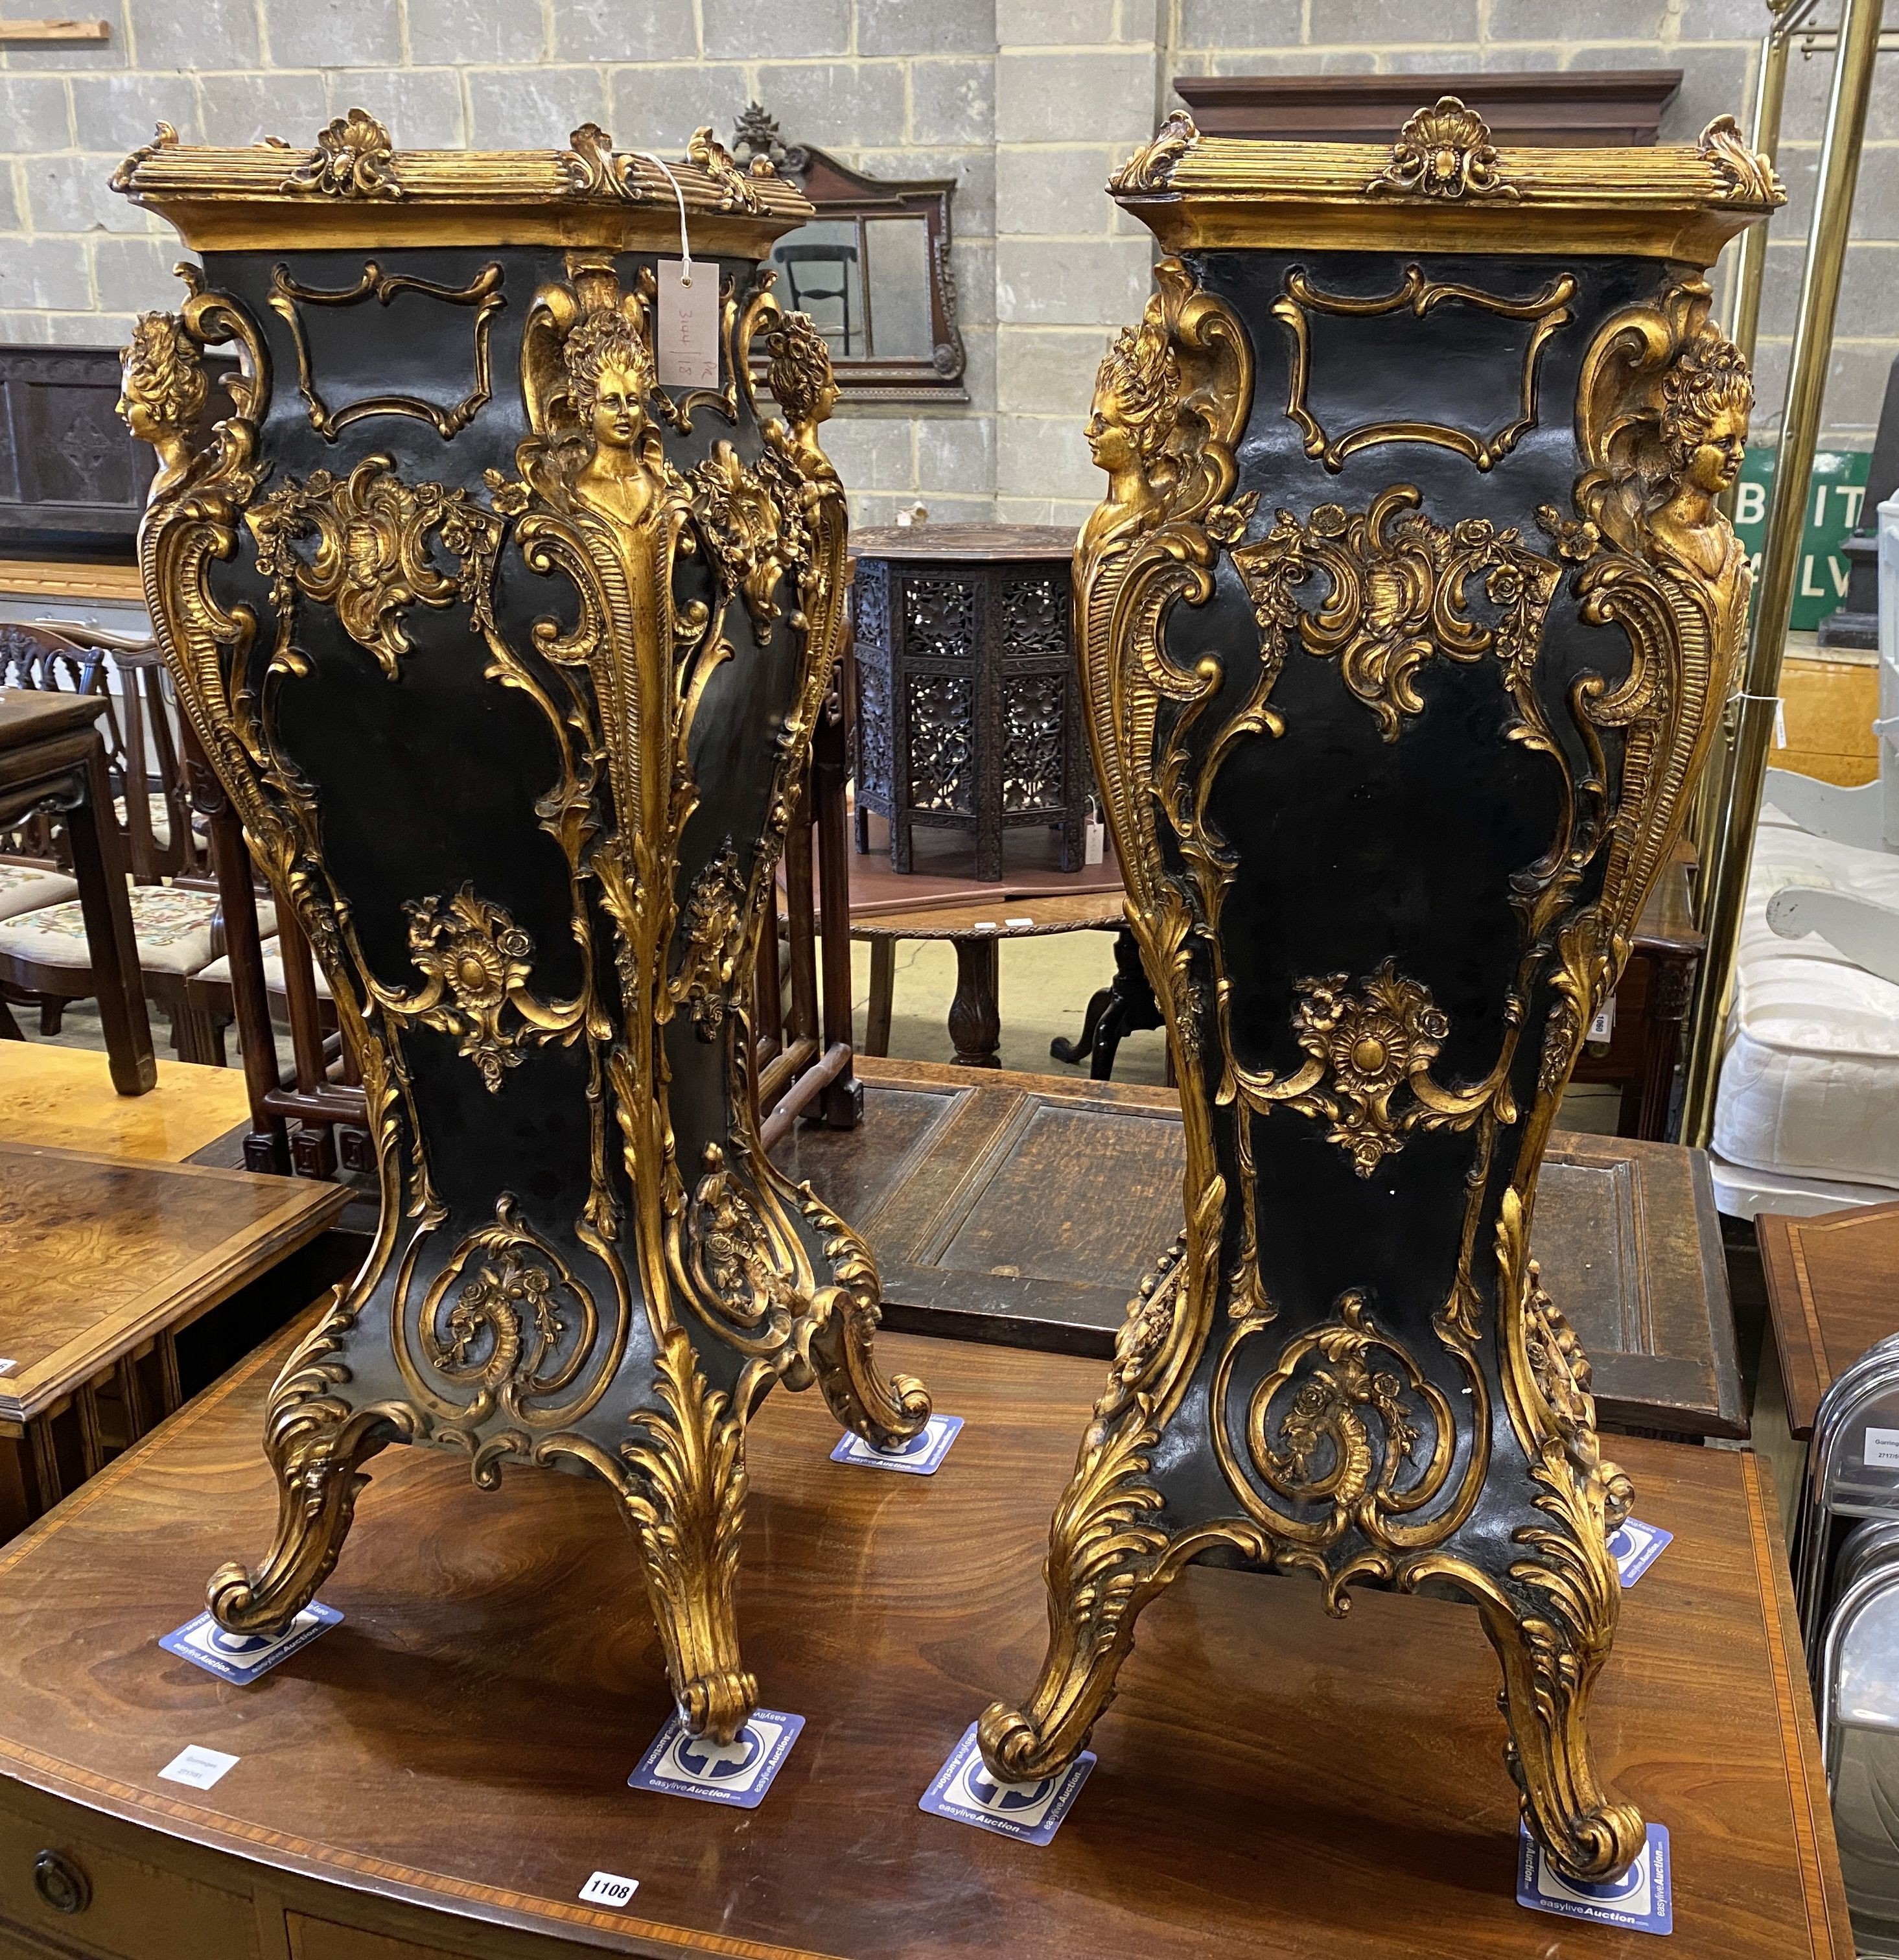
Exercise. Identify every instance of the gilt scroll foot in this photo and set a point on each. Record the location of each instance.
(1092, 1633)
(680, 1483)
(690, 1576)
(1549, 1675)
(1106, 1561)
(316, 1449)
(886, 1411)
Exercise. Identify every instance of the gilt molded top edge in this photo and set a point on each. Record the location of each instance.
(1441, 172)
(353, 183)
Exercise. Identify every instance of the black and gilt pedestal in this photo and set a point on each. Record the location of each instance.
(1408, 616)
(508, 645)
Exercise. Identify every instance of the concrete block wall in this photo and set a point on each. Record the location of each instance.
(1029, 103)
(901, 88)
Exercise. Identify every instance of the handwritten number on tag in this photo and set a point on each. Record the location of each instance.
(689, 351)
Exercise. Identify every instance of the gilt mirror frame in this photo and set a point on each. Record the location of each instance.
(841, 193)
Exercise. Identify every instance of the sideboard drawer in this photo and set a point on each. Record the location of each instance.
(65, 1886)
(324, 1939)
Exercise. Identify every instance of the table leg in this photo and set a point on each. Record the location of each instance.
(48, 1486)
(10, 1028)
(1671, 989)
(131, 1392)
(975, 1014)
(107, 913)
(883, 981)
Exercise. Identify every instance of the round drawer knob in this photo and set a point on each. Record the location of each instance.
(61, 1883)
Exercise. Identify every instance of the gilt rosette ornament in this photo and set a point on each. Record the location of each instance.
(1408, 615)
(507, 647)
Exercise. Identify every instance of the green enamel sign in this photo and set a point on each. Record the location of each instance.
(1838, 489)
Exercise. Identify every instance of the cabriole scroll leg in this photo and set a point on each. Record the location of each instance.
(316, 1449)
(1549, 1674)
(682, 1487)
(1092, 1606)
(885, 1412)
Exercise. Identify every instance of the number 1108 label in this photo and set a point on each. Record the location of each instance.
(608, 1889)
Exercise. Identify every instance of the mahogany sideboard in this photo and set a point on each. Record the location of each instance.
(440, 1775)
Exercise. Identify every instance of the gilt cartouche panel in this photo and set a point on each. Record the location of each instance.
(512, 684)
(1394, 734)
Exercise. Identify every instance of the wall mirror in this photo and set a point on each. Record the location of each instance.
(871, 269)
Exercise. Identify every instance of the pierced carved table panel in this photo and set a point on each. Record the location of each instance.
(505, 616)
(969, 715)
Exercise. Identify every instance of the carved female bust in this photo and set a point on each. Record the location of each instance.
(162, 393)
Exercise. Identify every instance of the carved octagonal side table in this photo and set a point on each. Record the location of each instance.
(969, 716)
(507, 646)
(1409, 617)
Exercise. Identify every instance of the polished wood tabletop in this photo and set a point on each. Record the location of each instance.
(1833, 1290)
(966, 544)
(1001, 918)
(451, 1761)
(63, 1096)
(101, 1254)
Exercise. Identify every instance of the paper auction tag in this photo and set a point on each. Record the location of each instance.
(689, 353)
(243, 1657)
(1881, 1449)
(198, 1768)
(738, 1773)
(1642, 1900)
(920, 1456)
(5, 1366)
(1603, 1027)
(608, 1889)
(963, 1791)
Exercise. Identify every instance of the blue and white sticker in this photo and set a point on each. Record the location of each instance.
(1642, 1900)
(738, 1772)
(919, 1457)
(964, 1790)
(243, 1657)
(1635, 1547)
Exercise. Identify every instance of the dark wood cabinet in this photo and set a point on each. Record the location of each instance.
(968, 709)
(72, 481)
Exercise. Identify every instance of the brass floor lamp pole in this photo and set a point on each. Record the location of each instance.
(1730, 843)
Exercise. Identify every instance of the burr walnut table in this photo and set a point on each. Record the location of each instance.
(106, 1261)
(1833, 1290)
(1270, 1784)
(1026, 1209)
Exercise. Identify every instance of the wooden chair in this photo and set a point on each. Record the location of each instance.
(46, 663)
(141, 728)
(177, 930)
(157, 823)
